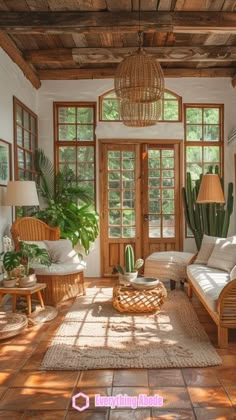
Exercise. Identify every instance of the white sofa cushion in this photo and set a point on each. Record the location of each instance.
(61, 251)
(223, 255)
(207, 246)
(60, 269)
(208, 282)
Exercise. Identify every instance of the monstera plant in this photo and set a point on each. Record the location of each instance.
(68, 206)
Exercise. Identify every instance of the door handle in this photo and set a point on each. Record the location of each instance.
(146, 217)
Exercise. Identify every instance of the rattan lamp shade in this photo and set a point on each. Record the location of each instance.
(21, 193)
(139, 78)
(210, 190)
(139, 114)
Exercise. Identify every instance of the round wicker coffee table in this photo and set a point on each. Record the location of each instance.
(127, 299)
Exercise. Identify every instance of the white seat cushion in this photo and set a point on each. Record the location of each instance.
(60, 269)
(208, 282)
(167, 265)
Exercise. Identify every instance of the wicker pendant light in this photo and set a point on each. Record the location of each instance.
(140, 114)
(139, 78)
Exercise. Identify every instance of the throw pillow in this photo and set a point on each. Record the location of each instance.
(223, 255)
(233, 273)
(40, 244)
(207, 246)
(61, 251)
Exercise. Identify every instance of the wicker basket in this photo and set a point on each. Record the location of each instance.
(127, 299)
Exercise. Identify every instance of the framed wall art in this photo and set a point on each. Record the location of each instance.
(5, 162)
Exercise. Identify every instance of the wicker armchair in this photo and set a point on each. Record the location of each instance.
(60, 287)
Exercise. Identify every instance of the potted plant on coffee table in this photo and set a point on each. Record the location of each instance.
(11, 261)
(130, 271)
(31, 254)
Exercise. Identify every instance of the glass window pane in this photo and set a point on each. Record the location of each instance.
(128, 184)
(211, 153)
(85, 154)
(128, 232)
(168, 162)
(154, 193)
(194, 132)
(85, 115)
(168, 194)
(211, 116)
(154, 226)
(86, 170)
(194, 154)
(114, 232)
(168, 174)
(19, 136)
(211, 133)
(168, 226)
(32, 125)
(168, 206)
(154, 173)
(114, 164)
(19, 112)
(155, 206)
(67, 132)
(168, 182)
(114, 199)
(33, 141)
(67, 154)
(66, 115)
(167, 153)
(154, 182)
(89, 187)
(128, 199)
(194, 169)
(207, 167)
(194, 116)
(128, 217)
(171, 110)
(85, 132)
(26, 120)
(70, 166)
(21, 161)
(111, 110)
(114, 217)
(26, 140)
(28, 160)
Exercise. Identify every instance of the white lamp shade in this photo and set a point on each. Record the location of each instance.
(21, 193)
(210, 190)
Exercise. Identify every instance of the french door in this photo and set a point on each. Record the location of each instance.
(140, 199)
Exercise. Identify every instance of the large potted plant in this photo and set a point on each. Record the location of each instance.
(130, 271)
(210, 219)
(30, 254)
(11, 261)
(68, 206)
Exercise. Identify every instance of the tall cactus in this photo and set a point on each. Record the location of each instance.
(129, 259)
(212, 219)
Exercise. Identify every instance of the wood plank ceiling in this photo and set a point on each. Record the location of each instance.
(78, 39)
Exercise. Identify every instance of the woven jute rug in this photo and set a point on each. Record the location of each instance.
(95, 336)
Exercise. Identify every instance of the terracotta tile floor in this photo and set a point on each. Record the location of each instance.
(27, 393)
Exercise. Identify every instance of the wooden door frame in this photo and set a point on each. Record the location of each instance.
(120, 141)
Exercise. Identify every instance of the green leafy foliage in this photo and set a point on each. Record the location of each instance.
(79, 223)
(31, 253)
(11, 260)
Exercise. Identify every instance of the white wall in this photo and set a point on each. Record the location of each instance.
(192, 90)
(12, 83)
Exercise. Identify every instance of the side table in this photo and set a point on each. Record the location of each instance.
(24, 291)
(128, 299)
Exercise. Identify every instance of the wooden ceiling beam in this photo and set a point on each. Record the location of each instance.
(9, 47)
(60, 22)
(77, 74)
(115, 55)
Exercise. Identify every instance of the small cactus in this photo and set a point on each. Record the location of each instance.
(130, 265)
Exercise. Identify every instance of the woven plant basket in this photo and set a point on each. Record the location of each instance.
(139, 78)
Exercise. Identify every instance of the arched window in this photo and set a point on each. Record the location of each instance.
(109, 107)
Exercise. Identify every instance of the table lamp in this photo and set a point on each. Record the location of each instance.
(210, 190)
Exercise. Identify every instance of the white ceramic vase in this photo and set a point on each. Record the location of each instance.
(9, 283)
(124, 279)
(28, 281)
